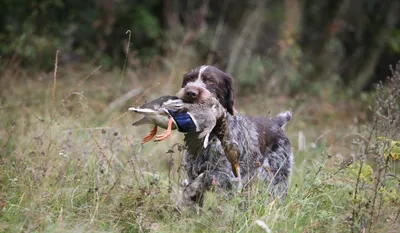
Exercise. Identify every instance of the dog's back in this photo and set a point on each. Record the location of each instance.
(275, 147)
(264, 151)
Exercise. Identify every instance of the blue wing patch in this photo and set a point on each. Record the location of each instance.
(183, 121)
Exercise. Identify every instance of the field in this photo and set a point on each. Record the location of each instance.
(71, 161)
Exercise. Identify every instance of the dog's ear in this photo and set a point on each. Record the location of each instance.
(230, 93)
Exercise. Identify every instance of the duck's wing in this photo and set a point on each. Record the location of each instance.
(208, 127)
(174, 105)
(142, 121)
(205, 142)
(158, 117)
(157, 103)
(144, 111)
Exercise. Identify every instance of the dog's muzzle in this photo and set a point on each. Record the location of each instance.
(191, 95)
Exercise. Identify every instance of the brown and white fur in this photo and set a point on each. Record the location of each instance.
(263, 149)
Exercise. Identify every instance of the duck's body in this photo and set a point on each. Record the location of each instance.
(155, 111)
(169, 112)
(205, 115)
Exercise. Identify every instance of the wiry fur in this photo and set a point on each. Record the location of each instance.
(264, 150)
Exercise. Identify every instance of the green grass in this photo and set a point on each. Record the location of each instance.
(77, 168)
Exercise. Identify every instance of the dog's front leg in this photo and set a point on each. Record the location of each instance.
(193, 193)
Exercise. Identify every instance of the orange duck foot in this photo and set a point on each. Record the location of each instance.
(166, 133)
(150, 135)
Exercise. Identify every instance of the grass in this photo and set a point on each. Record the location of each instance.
(70, 162)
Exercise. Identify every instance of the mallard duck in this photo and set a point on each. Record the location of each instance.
(155, 113)
(170, 113)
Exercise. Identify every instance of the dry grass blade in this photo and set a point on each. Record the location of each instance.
(126, 58)
(122, 100)
(53, 100)
(74, 89)
(53, 91)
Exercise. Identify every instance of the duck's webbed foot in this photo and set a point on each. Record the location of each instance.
(166, 133)
(149, 136)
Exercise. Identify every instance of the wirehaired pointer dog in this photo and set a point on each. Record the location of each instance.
(261, 147)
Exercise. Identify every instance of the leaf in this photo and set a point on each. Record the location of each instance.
(390, 148)
(366, 171)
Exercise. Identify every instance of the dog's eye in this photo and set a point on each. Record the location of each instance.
(188, 78)
(209, 81)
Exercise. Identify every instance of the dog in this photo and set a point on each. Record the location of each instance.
(263, 150)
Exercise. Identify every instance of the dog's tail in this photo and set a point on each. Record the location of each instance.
(282, 118)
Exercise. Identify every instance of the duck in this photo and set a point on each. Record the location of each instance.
(155, 113)
(171, 113)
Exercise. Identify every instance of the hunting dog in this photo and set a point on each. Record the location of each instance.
(262, 148)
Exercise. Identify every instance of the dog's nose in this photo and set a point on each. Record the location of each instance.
(191, 95)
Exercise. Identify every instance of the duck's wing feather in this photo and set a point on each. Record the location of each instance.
(205, 142)
(210, 124)
(175, 105)
(157, 103)
(207, 127)
(144, 111)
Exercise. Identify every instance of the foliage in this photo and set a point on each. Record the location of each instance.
(379, 159)
(395, 41)
(80, 29)
(281, 46)
(390, 149)
(364, 171)
(68, 165)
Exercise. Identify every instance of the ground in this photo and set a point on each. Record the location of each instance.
(72, 162)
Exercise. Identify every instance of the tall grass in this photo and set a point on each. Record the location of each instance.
(67, 165)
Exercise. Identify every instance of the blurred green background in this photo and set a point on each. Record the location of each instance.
(70, 160)
(284, 46)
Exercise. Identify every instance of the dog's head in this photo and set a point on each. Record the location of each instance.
(204, 81)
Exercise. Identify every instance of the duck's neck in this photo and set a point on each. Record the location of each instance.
(221, 130)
